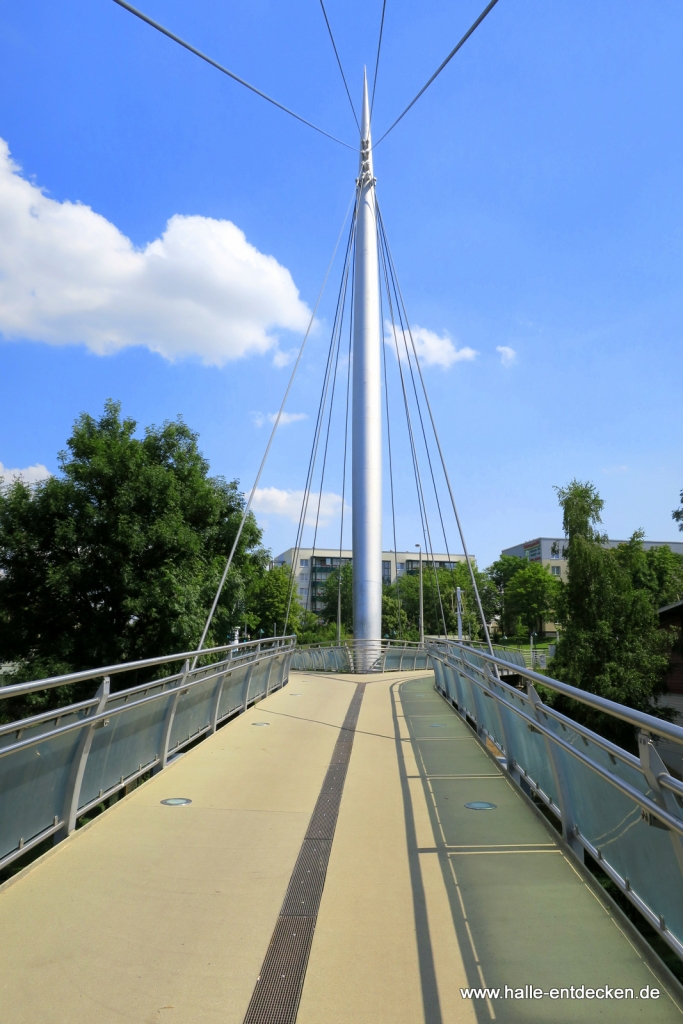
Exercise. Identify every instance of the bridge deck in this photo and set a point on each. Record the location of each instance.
(157, 913)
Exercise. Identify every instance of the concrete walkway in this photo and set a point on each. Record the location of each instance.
(156, 913)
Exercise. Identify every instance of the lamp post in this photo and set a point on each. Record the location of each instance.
(422, 607)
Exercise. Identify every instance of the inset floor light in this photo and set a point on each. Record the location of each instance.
(260, 723)
(176, 801)
(480, 805)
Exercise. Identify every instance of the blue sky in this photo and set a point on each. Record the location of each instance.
(532, 198)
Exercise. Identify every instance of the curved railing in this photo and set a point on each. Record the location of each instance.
(625, 811)
(57, 765)
(322, 658)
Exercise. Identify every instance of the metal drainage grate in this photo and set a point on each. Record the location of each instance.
(275, 999)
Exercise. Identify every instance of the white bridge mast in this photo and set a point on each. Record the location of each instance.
(367, 418)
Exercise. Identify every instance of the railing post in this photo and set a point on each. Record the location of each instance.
(168, 721)
(569, 824)
(215, 704)
(269, 674)
(80, 759)
(247, 680)
(503, 713)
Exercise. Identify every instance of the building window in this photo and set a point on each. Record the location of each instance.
(386, 572)
(303, 591)
(303, 576)
(555, 570)
(304, 563)
(400, 566)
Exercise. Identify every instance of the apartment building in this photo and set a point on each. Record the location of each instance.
(550, 551)
(314, 567)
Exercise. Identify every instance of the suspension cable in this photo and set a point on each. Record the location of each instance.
(341, 69)
(247, 507)
(329, 422)
(440, 68)
(405, 332)
(224, 70)
(445, 470)
(391, 469)
(346, 438)
(318, 425)
(379, 47)
(416, 468)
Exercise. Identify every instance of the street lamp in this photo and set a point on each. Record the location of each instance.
(422, 609)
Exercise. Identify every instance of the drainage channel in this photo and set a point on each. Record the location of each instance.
(275, 999)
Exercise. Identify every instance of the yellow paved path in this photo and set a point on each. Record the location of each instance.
(156, 913)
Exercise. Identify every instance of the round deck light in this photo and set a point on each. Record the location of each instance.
(480, 805)
(260, 723)
(176, 801)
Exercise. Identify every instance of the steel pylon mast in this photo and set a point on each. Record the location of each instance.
(367, 417)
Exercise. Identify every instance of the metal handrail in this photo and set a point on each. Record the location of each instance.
(465, 674)
(258, 667)
(639, 719)
(130, 666)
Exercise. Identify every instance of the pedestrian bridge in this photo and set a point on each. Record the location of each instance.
(352, 849)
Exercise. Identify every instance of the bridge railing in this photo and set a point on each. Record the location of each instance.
(396, 655)
(58, 765)
(625, 811)
(328, 657)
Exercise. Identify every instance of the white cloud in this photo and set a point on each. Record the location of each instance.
(276, 502)
(432, 350)
(68, 276)
(285, 418)
(507, 354)
(30, 475)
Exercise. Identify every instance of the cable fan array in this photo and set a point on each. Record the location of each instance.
(404, 387)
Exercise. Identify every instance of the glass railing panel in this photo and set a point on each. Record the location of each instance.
(232, 697)
(193, 712)
(33, 783)
(530, 751)
(129, 741)
(640, 852)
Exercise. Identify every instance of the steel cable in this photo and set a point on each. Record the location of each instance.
(272, 437)
(379, 48)
(444, 468)
(416, 468)
(341, 69)
(318, 425)
(440, 68)
(219, 67)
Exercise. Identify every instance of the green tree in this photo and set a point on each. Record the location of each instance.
(500, 574)
(332, 594)
(533, 595)
(440, 595)
(119, 556)
(610, 643)
(266, 601)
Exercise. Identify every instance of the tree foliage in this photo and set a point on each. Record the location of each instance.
(336, 589)
(119, 556)
(610, 643)
(533, 595)
(500, 574)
